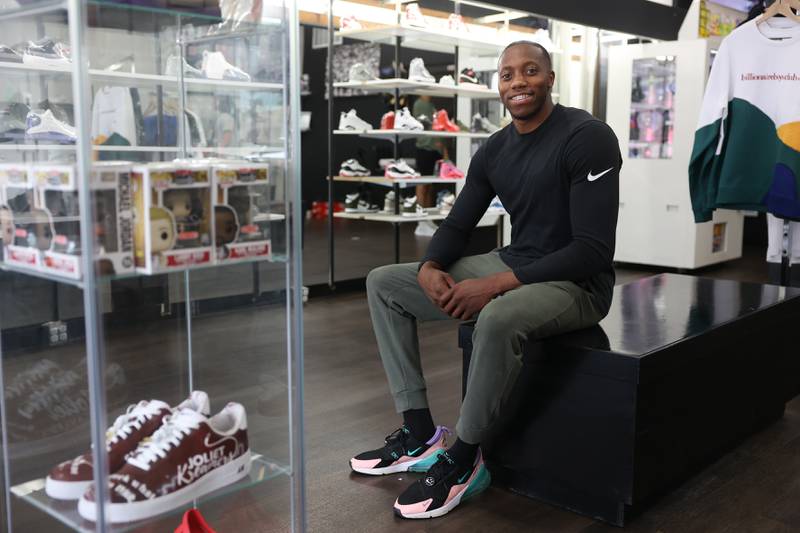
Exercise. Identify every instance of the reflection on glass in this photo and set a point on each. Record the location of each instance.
(652, 108)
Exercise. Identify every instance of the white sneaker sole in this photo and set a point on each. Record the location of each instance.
(129, 512)
(65, 490)
(61, 64)
(443, 510)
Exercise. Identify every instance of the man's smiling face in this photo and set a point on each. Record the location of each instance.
(525, 79)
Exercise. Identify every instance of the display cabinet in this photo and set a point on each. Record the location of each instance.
(151, 266)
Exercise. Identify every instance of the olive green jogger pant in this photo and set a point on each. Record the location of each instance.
(538, 310)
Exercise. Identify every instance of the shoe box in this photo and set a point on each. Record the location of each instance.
(242, 211)
(40, 218)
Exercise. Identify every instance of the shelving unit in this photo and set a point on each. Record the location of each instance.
(420, 88)
(400, 182)
(392, 135)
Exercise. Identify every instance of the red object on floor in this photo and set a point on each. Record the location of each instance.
(193, 522)
(320, 209)
(387, 121)
(442, 122)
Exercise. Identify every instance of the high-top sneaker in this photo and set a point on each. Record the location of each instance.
(70, 479)
(418, 72)
(404, 120)
(360, 72)
(47, 128)
(216, 67)
(350, 121)
(387, 121)
(189, 456)
(442, 122)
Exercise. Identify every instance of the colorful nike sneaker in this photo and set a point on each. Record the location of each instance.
(444, 486)
(70, 479)
(401, 452)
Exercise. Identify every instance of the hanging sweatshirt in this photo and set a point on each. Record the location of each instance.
(746, 151)
(112, 112)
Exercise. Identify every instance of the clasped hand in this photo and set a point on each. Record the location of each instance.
(461, 300)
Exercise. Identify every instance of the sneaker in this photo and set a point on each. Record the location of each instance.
(45, 127)
(442, 122)
(350, 122)
(418, 72)
(387, 121)
(9, 55)
(360, 72)
(447, 81)
(388, 203)
(216, 67)
(445, 201)
(444, 486)
(413, 16)
(189, 456)
(70, 479)
(427, 123)
(355, 203)
(349, 22)
(425, 228)
(400, 169)
(173, 65)
(469, 76)
(401, 452)
(46, 52)
(352, 167)
(404, 120)
(481, 124)
(193, 522)
(12, 123)
(411, 208)
(446, 169)
(455, 23)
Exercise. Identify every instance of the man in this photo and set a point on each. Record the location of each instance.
(556, 170)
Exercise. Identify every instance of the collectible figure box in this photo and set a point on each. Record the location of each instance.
(241, 211)
(27, 230)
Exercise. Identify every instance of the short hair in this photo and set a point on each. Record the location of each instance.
(529, 43)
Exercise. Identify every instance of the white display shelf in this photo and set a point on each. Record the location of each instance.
(430, 39)
(137, 79)
(261, 470)
(432, 214)
(402, 182)
(390, 134)
(419, 88)
(226, 150)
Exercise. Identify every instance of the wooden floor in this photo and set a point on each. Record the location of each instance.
(239, 356)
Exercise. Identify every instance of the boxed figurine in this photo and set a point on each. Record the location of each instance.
(173, 227)
(241, 211)
(27, 230)
(57, 193)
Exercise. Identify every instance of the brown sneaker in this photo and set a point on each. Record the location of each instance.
(70, 479)
(189, 456)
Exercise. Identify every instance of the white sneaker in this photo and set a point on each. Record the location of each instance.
(355, 203)
(352, 167)
(349, 121)
(349, 22)
(216, 67)
(400, 169)
(411, 208)
(418, 72)
(404, 120)
(445, 202)
(447, 81)
(425, 228)
(172, 67)
(413, 16)
(46, 127)
(388, 203)
(360, 72)
(482, 124)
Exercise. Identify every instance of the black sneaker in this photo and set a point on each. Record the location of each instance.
(444, 486)
(401, 452)
(9, 55)
(46, 52)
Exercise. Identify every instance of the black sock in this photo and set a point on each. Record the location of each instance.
(463, 453)
(420, 423)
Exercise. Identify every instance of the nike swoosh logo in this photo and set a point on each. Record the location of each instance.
(209, 444)
(414, 452)
(463, 478)
(592, 177)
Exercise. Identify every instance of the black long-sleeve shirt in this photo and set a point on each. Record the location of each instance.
(560, 185)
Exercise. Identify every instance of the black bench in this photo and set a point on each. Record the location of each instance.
(603, 420)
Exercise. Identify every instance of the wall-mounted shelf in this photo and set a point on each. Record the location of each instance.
(405, 86)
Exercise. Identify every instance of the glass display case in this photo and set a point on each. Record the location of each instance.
(150, 279)
(652, 108)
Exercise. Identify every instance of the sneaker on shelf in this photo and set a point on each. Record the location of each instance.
(413, 16)
(349, 22)
(352, 167)
(470, 76)
(350, 122)
(70, 479)
(442, 122)
(446, 169)
(387, 121)
(455, 23)
(356, 203)
(401, 451)
(411, 208)
(418, 72)
(481, 124)
(388, 203)
(442, 488)
(404, 120)
(189, 456)
(447, 81)
(216, 67)
(400, 170)
(45, 127)
(445, 201)
(360, 72)
(495, 82)
(46, 52)
(173, 64)
(427, 123)
(425, 228)
(9, 55)
(12, 123)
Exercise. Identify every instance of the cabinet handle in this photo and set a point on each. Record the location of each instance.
(672, 207)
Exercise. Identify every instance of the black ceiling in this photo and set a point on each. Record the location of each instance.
(638, 17)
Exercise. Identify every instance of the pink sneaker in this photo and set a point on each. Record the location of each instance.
(401, 452)
(448, 170)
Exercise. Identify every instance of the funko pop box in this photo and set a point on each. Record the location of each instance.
(27, 230)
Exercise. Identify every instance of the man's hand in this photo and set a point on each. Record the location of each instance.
(466, 299)
(434, 281)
